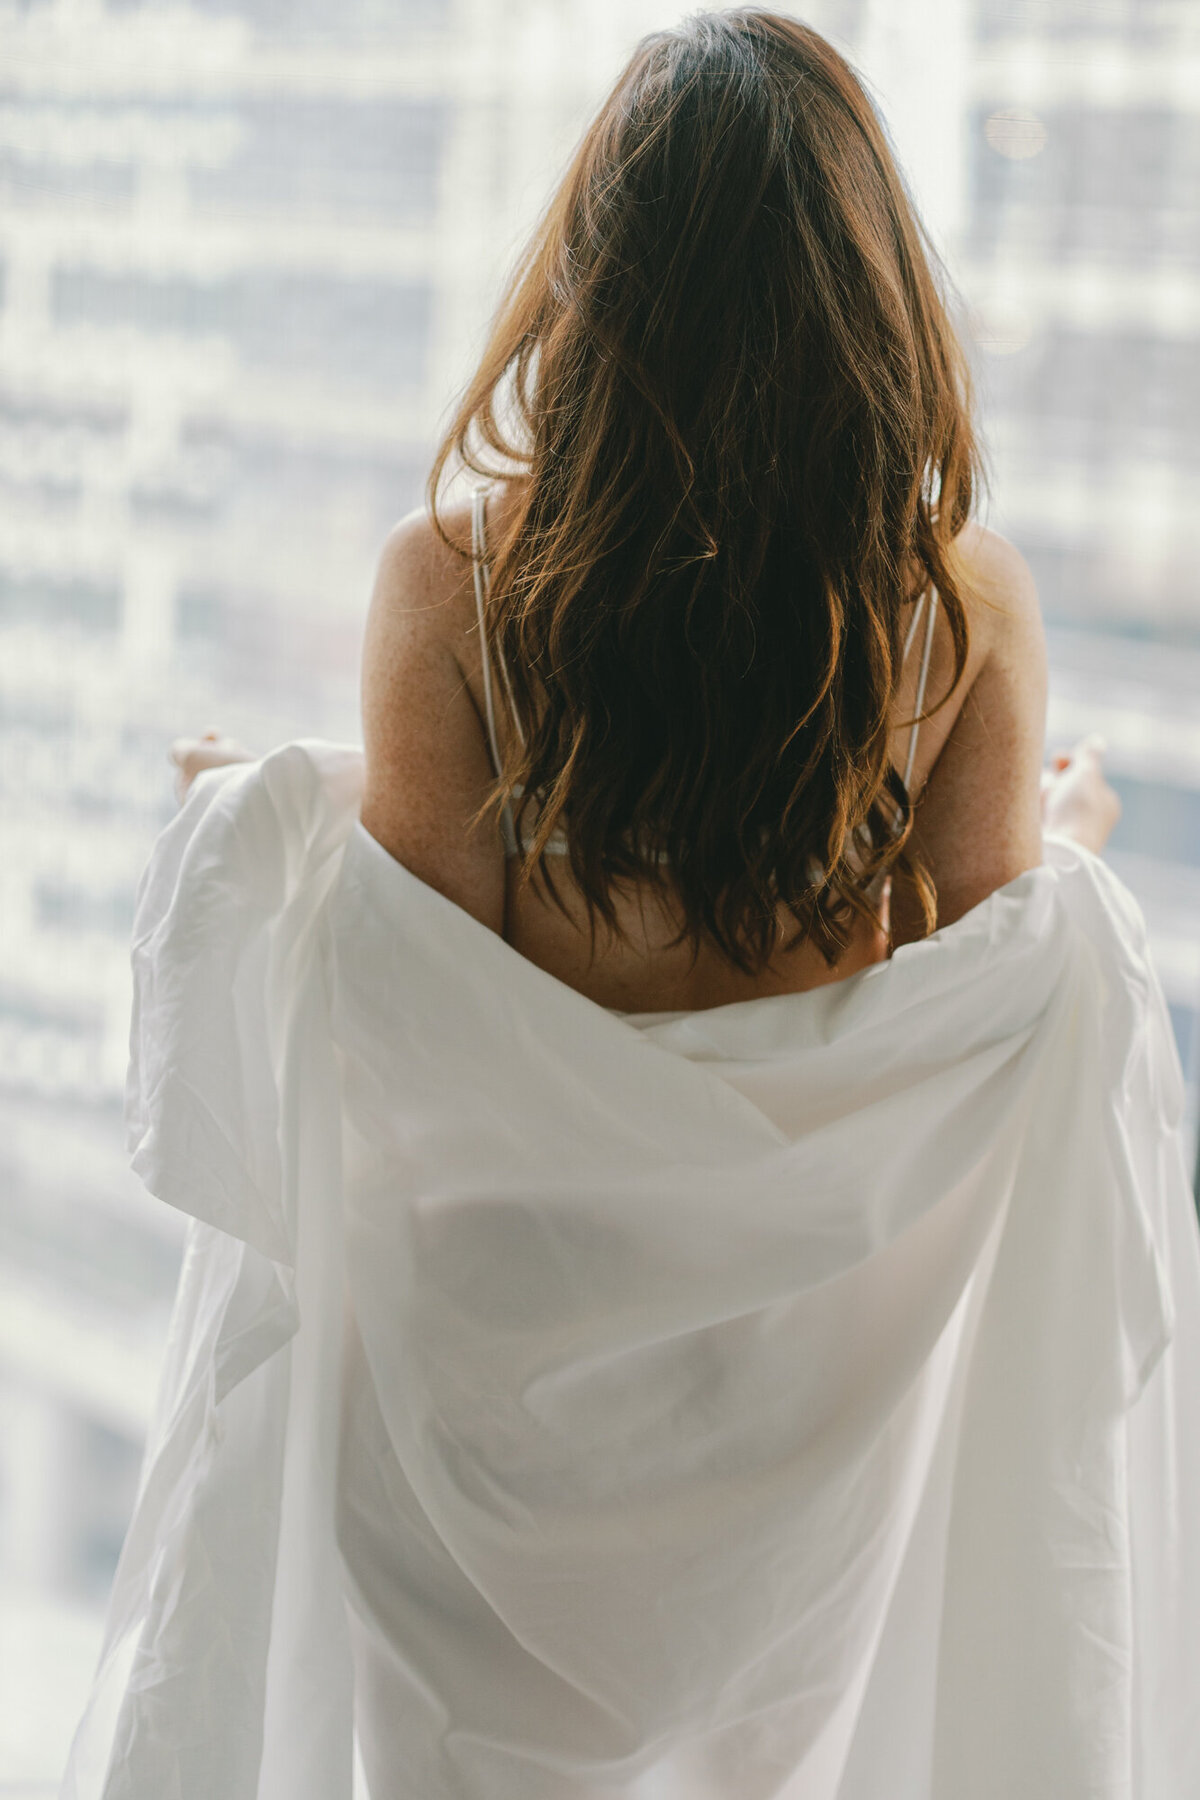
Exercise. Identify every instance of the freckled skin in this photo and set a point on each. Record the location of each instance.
(978, 769)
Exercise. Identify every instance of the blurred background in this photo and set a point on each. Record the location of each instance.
(248, 249)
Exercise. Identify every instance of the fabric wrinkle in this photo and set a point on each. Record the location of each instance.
(795, 1400)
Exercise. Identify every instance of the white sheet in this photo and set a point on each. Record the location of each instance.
(797, 1400)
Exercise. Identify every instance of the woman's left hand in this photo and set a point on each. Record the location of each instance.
(212, 751)
(1077, 802)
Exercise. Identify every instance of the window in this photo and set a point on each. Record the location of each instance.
(248, 252)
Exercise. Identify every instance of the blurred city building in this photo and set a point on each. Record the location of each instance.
(1080, 261)
(247, 254)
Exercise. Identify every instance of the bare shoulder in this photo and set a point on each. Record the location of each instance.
(420, 576)
(978, 822)
(998, 590)
(424, 582)
(427, 767)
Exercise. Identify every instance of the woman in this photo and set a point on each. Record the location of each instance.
(738, 441)
(756, 1381)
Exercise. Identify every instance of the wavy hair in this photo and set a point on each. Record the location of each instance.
(726, 379)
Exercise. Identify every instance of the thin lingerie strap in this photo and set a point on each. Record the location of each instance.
(483, 582)
(922, 674)
(482, 586)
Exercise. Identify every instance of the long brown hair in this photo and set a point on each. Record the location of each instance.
(727, 379)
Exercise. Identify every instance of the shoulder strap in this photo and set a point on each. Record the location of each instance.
(913, 623)
(483, 582)
(922, 674)
(483, 588)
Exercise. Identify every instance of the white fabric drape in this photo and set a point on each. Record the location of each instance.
(796, 1400)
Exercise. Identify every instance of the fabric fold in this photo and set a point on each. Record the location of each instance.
(231, 1112)
(796, 1400)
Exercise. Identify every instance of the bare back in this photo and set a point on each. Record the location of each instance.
(977, 770)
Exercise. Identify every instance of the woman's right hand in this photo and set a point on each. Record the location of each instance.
(1077, 802)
